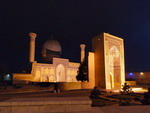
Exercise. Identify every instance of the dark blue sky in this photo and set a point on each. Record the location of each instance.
(73, 22)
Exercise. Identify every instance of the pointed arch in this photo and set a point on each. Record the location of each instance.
(60, 73)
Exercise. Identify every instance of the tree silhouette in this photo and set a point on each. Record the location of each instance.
(83, 71)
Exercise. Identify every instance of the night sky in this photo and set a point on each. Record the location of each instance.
(73, 22)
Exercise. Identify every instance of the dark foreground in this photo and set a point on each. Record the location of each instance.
(105, 99)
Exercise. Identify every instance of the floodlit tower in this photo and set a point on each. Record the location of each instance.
(82, 46)
(32, 47)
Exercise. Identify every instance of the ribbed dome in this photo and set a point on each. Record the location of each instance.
(52, 45)
(51, 49)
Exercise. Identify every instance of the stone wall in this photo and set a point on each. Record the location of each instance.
(70, 85)
(131, 83)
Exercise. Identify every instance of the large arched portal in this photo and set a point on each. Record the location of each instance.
(60, 73)
(114, 61)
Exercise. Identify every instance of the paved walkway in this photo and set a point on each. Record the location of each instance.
(121, 109)
(48, 99)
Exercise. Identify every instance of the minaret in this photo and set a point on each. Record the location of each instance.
(32, 47)
(82, 46)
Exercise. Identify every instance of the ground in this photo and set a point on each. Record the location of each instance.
(105, 99)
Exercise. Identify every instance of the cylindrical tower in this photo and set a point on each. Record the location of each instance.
(32, 47)
(82, 46)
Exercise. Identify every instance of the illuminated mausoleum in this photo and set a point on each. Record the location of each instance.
(55, 69)
(105, 64)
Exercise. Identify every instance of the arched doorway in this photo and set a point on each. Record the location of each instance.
(60, 73)
(114, 61)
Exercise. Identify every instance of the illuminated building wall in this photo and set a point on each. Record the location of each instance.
(109, 61)
(60, 71)
(91, 73)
